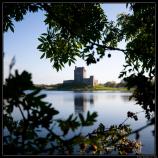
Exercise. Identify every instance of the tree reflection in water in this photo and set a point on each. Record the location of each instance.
(125, 98)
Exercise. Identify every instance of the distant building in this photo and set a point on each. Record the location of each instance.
(80, 77)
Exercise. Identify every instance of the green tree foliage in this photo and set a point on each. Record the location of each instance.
(122, 83)
(138, 29)
(16, 12)
(110, 84)
(72, 31)
(79, 30)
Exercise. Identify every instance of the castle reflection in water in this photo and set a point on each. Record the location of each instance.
(81, 102)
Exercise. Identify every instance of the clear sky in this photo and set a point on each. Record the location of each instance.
(23, 45)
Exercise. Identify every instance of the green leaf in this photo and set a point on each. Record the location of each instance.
(11, 28)
(81, 119)
(42, 55)
(44, 34)
(35, 92)
(70, 117)
(49, 54)
(40, 46)
(41, 39)
(90, 118)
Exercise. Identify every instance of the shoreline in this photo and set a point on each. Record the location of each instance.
(83, 88)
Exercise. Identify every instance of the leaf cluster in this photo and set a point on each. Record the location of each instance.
(138, 29)
(16, 12)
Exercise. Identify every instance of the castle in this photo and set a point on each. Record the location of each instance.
(80, 77)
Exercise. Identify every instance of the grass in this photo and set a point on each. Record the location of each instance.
(101, 87)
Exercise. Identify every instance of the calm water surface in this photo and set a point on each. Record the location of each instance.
(112, 108)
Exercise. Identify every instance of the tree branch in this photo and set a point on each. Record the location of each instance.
(108, 47)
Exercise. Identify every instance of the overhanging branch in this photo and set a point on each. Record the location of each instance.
(108, 47)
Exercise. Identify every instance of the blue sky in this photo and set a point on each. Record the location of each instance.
(23, 45)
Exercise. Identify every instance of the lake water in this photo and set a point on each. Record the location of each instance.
(112, 108)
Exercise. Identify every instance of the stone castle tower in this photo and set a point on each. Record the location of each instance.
(79, 74)
(80, 77)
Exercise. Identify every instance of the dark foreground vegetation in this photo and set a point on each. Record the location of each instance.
(23, 138)
(79, 30)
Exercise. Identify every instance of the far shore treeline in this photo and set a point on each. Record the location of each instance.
(110, 85)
